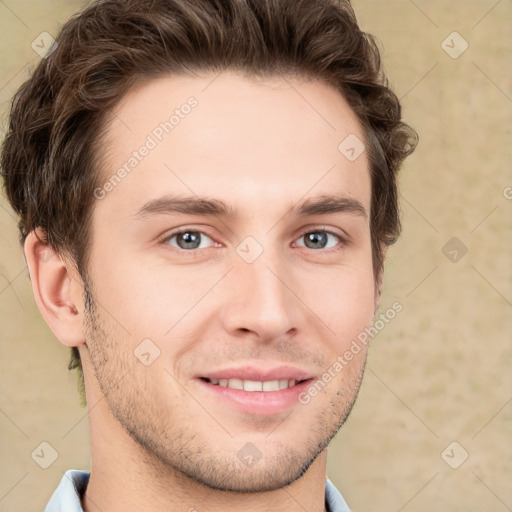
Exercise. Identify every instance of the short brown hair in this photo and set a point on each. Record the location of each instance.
(59, 114)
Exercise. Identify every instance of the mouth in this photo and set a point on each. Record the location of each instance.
(254, 391)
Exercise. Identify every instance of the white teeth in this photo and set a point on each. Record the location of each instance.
(271, 385)
(254, 385)
(236, 384)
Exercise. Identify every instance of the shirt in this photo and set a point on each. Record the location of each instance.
(66, 497)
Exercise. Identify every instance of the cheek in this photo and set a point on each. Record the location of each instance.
(345, 301)
(153, 300)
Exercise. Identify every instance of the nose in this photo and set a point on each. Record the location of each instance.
(261, 301)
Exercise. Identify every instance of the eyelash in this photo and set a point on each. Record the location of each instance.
(342, 241)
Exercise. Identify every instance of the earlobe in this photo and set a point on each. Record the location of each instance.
(55, 289)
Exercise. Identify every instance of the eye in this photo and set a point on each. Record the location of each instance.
(319, 239)
(188, 240)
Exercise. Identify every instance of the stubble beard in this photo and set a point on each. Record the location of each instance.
(178, 453)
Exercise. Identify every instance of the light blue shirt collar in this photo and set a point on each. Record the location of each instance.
(66, 497)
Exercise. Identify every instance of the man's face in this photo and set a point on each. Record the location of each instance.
(262, 297)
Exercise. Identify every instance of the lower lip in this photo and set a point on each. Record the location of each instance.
(262, 403)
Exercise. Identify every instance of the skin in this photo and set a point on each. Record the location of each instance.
(158, 440)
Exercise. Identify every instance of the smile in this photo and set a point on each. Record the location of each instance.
(256, 391)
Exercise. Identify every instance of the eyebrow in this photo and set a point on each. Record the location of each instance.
(194, 205)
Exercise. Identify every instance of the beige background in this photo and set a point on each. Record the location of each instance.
(439, 372)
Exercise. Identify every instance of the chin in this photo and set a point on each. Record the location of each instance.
(271, 475)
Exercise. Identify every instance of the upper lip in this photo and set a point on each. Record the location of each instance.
(259, 374)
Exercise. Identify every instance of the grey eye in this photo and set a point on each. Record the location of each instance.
(318, 240)
(189, 240)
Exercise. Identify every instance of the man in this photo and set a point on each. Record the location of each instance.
(206, 191)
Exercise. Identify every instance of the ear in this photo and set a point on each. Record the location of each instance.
(57, 289)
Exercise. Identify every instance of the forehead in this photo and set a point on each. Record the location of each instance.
(259, 141)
